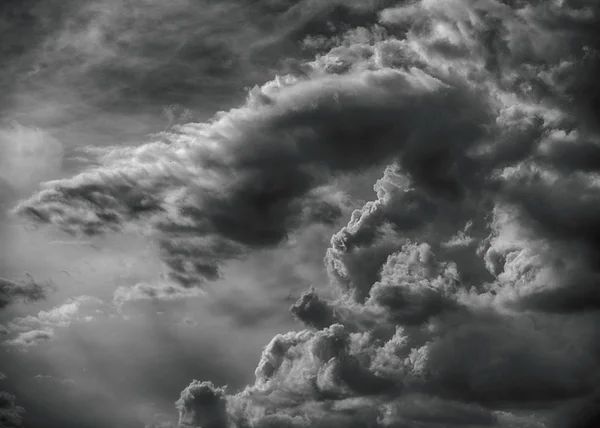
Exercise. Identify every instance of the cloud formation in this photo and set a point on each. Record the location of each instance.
(11, 415)
(29, 338)
(10, 412)
(245, 180)
(201, 404)
(466, 292)
(467, 289)
(32, 330)
(26, 291)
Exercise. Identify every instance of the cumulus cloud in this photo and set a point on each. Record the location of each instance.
(201, 404)
(468, 289)
(32, 330)
(465, 291)
(247, 178)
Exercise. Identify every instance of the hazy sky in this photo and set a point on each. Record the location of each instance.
(299, 213)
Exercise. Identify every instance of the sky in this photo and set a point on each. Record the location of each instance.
(299, 213)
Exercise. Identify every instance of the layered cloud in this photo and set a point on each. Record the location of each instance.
(466, 292)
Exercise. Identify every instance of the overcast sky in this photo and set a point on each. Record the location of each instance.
(299, 213)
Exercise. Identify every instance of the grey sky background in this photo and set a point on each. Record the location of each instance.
(357, 214)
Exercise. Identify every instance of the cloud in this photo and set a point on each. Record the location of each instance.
(87, 58)
(313, 311)
(201, 404)
(161, 291)
(28, 156)
(27, 291)
(424, 410)
(10, 412)
(249, 177)
(35, 329)
(468, 354)
(62, 316)
(31, 338)
(467, 290)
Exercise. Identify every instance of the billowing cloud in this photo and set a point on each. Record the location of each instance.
(201, 404)
(244, 180)
(62, 316)
(466, 292)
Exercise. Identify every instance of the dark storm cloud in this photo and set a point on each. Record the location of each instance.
(10, 412)
(21, 291)
(454, 295)
(468, 288)
(313, 311)
(246, 179)
(403, 210)
(68, 60)
(583, 413)
(201, 404)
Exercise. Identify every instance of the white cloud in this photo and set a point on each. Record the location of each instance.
(34, 329)
(31, 338)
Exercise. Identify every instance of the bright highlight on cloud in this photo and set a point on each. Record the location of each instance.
(34, 329)
(466, 293)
